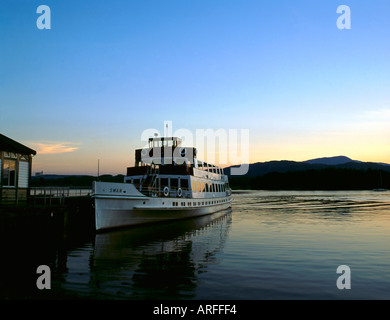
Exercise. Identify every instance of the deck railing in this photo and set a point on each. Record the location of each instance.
(159, 191)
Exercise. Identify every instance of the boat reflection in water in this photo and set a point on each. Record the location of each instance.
(159, 261)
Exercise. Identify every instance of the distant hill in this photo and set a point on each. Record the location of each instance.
(331, 160)
(383, 164)
(331, 173)
(261, 168)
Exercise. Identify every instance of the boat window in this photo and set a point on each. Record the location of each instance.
(184, 183)
(174, 183)
(163, 182)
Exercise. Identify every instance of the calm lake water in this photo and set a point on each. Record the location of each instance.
(271, 245)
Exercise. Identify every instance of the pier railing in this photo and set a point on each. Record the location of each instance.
(58, 194)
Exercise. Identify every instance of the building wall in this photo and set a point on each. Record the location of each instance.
(15, 172)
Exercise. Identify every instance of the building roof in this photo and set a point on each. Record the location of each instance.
(7, 144)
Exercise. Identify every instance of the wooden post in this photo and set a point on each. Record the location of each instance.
(17, 178)
(1, 175)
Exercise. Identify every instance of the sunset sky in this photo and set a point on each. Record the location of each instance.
(107, 70)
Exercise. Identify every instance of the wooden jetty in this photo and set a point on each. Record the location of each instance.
(27, 210)
(62, 210)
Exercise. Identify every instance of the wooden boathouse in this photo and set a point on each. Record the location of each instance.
(15, 170)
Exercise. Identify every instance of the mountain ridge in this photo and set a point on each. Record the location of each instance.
(331, 160)
(282, 166)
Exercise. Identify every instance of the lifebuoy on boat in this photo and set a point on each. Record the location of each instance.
(144, 152)
(166, 191)
(179, 192)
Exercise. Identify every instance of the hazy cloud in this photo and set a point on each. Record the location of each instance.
(55, 147)
(380, 115)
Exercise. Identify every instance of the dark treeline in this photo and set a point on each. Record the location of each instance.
(319, 179)
(72, 181)
(322, 179)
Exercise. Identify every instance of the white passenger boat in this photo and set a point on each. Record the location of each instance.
(168, 182)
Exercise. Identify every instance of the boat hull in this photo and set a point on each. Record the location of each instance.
(121, 205)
